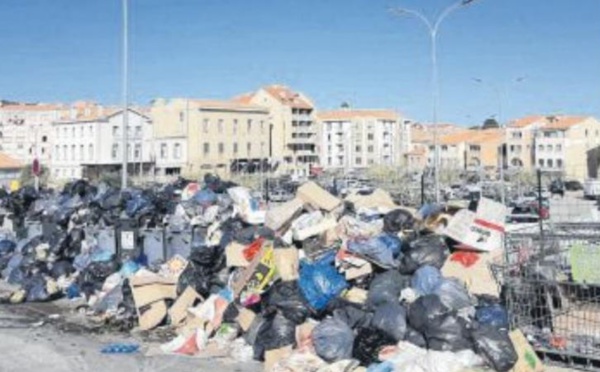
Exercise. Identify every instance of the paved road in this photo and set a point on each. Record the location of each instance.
(573, 208)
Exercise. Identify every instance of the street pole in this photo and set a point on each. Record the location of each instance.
(36, 178)
(125, 91)
(500, 92)
(433, 28)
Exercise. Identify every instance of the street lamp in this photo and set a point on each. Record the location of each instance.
(500, 91)
(433, 28)
(125, 88)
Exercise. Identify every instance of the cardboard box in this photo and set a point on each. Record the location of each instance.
(357, 272)
(152, 316)
(478, 277)
(317, 197)
(378, 199)
(283, 214)
(146, 294)
(356, 295)
(178, 312)
(528, 360)
(274, 356)
(259, 274)
(234, 253)
(245, 319)
(287, 263)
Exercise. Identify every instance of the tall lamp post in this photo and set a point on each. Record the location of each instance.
(500, 91)
(125, 88)
(433, 28)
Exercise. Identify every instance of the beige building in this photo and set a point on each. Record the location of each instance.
(294, 128)
(354, 139)
(221, 137)
(420, 152)
(520, 137)
(568, 146)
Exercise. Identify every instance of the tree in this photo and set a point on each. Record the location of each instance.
(490, 123)
(345, 105)
(28, 179)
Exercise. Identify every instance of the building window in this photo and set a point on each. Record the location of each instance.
(262, 127)
(81, 152)
(138, 131)
(558, 148)
(221, 148)
(90, 131)
(370, 149)
(80, 131)
(44, 138)
(91, 152)
(370, 136)
(115, 131)
(248, 147)
(163, 150)
(181, 117)
(43, 150)
(73, 132)
(358, 161)
(137, 151)
(57, 152)
(220, 125)
(550, 163)
(235, 126)
(177, 151)
(65, 152)
(235, 148)
(73, 152)
(115, 151)
(249, 126)
(358, 149)
(541, 148)
(205, 126)
(329, 161)
(206, 149)
(559, 163)
(328, 126)
(541, 162)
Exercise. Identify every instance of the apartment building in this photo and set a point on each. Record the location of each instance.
(10, 172)
(568, 146)
(520, 135)
(471, 150)
(221, 137)
(353, 139)
(92, 144)
(419, 156)
(26, 129)
(294, 128)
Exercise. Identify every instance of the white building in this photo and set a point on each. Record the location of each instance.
(92, 145)
(352, 139)
(26, 130)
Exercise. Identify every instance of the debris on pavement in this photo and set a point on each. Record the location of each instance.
(313, 284)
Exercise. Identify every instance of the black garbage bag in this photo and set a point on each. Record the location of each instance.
(415, 337)
(7, 247)
(94, 275)
(386, 288)
(398, 220)
(36, 288)
(495, 347)
(453, 294)
(61, 268)
(333, 340)
(275, 332)
(287, 298)
(424, 310)
(74, 241)
(390, 318)
(426, 250)
(368, 343)
(353, 316)
(216, 184)
(204, 263)
(448, 333)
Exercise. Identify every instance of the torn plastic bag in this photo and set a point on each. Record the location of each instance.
(333, 340)
(386, 288)
(286, 297)
(93, 277)
(424, 310)
(203, 264)
(495, 347)
(13, 264)
(7, 247)
(391, 320)
(205, 197)
(353, 316)
(320, 282)
(398, 220)
(368, 343)
(38, 289)
(274, 333)
(383, 250)
(415, 337)
(425, 280)
(453, 294)
(427, 250)
(448, 333)
(61, 268)
(494, 315)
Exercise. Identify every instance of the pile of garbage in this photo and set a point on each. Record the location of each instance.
(314, 284)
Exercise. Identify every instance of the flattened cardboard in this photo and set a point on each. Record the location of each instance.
(287, 263)
(313, 194)
(357, 272)
(245, 319)
(283, 214)
(275, 355)
(478, 277)
(258, 274)
(153, 316)
(178, 312)
(147, 294)
(528, 360)
(234, 253)
(356, 295)
(377, 199)
(145, 277)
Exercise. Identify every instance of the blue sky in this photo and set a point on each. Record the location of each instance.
(333, 50)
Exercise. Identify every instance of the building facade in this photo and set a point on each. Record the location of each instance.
(354, 139)
(93, 145)
(293, 128)
(221, 137)
(520, 138)
(10, 172)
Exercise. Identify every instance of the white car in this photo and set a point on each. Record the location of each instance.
(591, 188)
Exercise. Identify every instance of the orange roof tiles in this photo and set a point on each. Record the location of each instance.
(6, 162)
(564, 122)
(354, 114)
(527, 121)
(245, 98)
(472, 136)
(31, 107)
(288, 97)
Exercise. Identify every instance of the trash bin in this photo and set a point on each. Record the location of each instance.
(107, 239)
(178, 242)
(127, 239)
(153, 244)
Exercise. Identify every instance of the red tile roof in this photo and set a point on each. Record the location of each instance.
(6, 162)
(354, 114)
(288, 97)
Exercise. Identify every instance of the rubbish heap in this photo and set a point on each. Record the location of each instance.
(313, 284)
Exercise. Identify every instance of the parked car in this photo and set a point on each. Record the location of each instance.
(591, 188)
(280, 196)
(573, 185)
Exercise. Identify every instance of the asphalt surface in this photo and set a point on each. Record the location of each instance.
(573, 208)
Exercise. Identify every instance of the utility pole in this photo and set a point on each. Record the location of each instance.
(125, 88)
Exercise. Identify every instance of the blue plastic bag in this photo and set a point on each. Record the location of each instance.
(129, 268)
(383, 250)
(205, 197)
(425, 280)
(136, 204)
(494, 315)
(320, 282)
